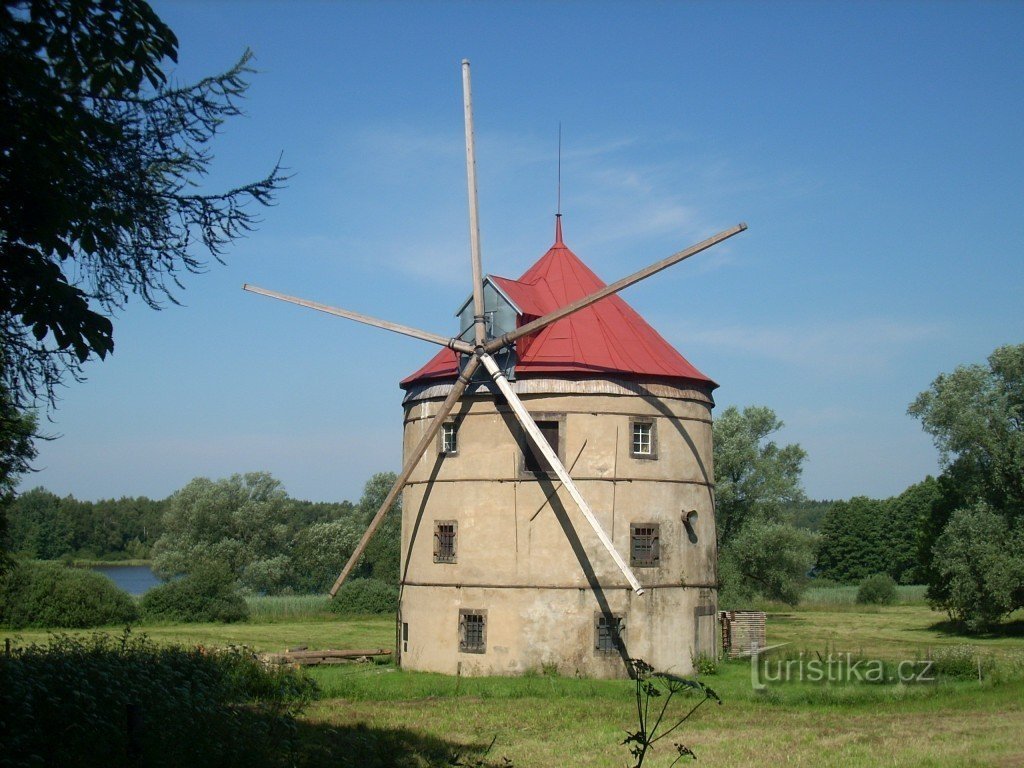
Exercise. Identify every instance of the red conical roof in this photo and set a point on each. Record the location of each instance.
(606, 338)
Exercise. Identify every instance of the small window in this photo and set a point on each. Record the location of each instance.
(608, 633)
(449, 439)
(644, 439)
(645, 546)
(534, 461)
(445, 532)
(472, 630)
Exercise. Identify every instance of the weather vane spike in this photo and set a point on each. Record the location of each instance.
(558, 207)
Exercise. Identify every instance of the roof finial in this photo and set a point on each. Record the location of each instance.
(558, 208)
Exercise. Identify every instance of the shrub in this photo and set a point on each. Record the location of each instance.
(365, 596)
(879, 589)
(51, 595)
(962, 662)
(207, 594)
(107, 701)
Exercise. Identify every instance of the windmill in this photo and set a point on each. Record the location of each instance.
(477, 366)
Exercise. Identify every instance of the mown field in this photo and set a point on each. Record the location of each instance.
(377, 715)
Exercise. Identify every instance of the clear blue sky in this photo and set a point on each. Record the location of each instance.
(875, 150)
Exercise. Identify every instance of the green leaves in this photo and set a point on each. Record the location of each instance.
(96, 153)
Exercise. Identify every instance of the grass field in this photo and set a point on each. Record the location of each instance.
(376, 715)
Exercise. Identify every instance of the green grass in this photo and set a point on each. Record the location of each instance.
(375, 714)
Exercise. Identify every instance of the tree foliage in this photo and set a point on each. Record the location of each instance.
(101, 160)
(45, 526)
(754, 476)
(980, 558)
(241, 522)
(17, 450)
(863, 536)
(766, 559)
(976, 417)
(206, 594)
(50, 595)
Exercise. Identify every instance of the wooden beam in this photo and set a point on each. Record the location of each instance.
(542, 322)
(414, 458)
(542, 446)
(479, 330)
(456, 344)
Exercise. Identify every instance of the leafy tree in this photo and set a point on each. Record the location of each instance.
(879, 589)
(51, 595)
(17, 430)
(976, 417)
(981, 560)
(754, 477)
(207, 594)
(768, 560)
(852, 540)
(241, 522)
(320, 551)
(907, 516)
(384, 552)
(101, 160)
(863, 536)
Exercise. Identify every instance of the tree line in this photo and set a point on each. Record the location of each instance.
(271, 542)
(960, 533)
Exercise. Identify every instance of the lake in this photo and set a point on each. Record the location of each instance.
(133, 579)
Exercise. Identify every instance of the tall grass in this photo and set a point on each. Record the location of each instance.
(271, 608)
(833, 596)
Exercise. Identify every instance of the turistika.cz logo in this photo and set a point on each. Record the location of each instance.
(833, 668)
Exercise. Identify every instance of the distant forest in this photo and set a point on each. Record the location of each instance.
(45, 526)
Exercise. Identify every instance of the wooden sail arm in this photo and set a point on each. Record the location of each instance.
(410, 464)
(452, 343)
(542, 446)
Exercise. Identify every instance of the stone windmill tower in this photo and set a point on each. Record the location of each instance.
(558, 505)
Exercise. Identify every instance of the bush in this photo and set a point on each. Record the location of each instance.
(361, 596)
(70, 703)
(879, 589)
(51, 595)
(208, 594)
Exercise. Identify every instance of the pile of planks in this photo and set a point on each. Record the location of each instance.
(307, 658)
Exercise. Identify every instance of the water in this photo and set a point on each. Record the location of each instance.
(133, 579)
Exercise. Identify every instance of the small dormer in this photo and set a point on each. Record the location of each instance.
(501, 313)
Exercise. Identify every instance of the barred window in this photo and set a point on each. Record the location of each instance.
(644, 439)
(472, 630)
(445, 533)
(449, 438)
(645, 545)
(608, 632)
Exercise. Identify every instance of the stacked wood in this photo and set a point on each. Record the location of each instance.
(307, 658)
(743, 632)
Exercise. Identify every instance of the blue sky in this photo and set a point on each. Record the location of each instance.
(874, 149)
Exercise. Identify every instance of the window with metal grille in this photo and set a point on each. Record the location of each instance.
(608, 632)
(645, 547)
(445, 532)
(534, 461)
(644, 439)
(472, 630)
(449, 438)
